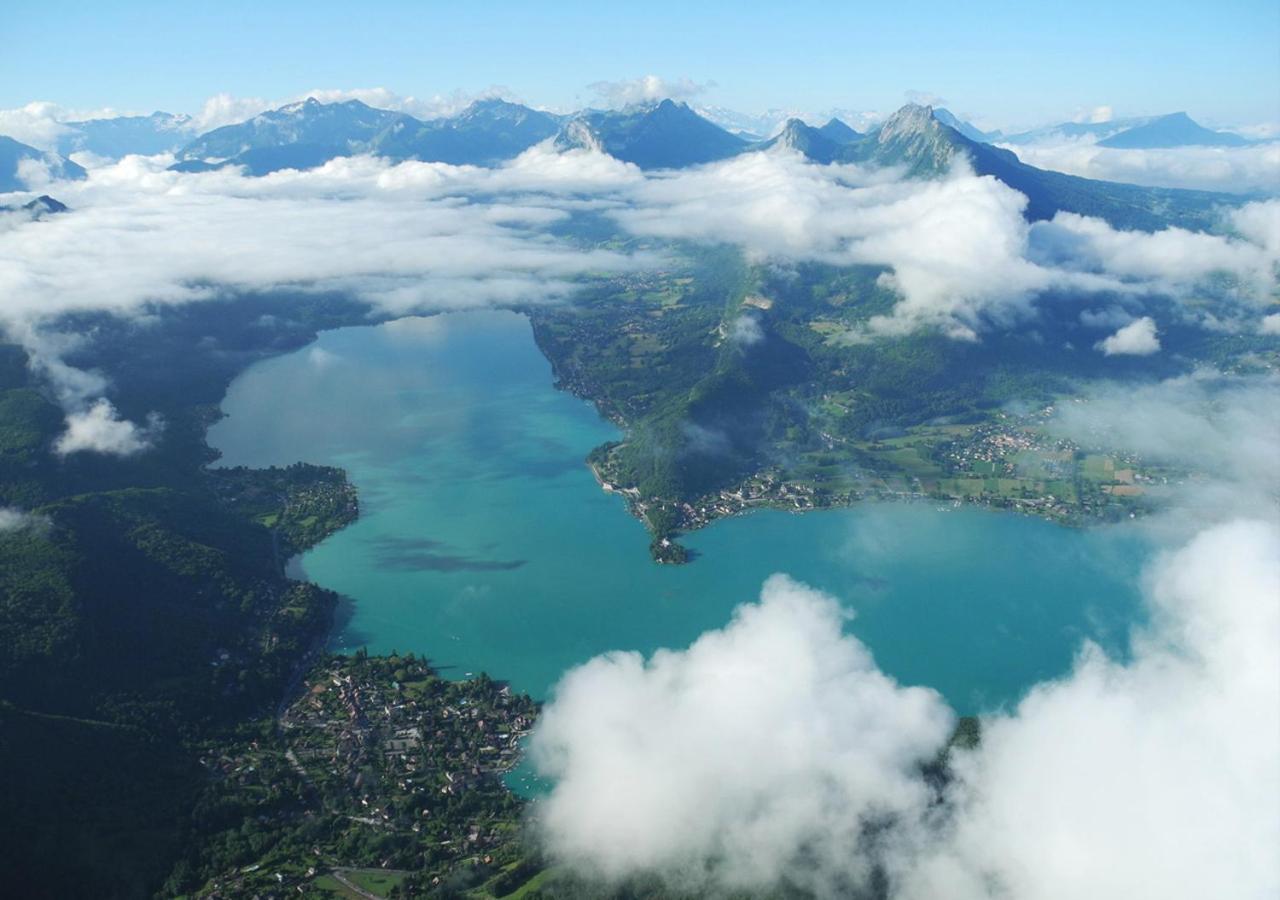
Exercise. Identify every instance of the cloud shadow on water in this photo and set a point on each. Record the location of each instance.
(425, 554)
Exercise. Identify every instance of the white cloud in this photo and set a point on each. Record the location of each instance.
(925, 98)
(959, 251)
(34, 173)
(1155, 777)
(770, 740)
(1220, 430)
(1270, 324)
(646, 89)
(1258, 131)
(99, 429)
(226, 109)
(1095, 116)
(36, 124)
(1138, 338)
(141, 234)
(746, 331)
(1248, 169)
(322, 359)
(955, 245)
(1171, 259)
(14, 519)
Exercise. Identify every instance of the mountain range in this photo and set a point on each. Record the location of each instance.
(299, 135)
(485, 133)
(916, 140)
(919, 140)
(1142, 133)
(309, 133)
(821, 145)
(490, 131)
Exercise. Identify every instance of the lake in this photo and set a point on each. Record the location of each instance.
(485, 544)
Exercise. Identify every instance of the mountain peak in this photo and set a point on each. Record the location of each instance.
(1173, 130)
(910, 119)
(839, 132)
(810, 142)
(914, 139)
(45, 204)
(495, 108)
(670, 108)
(664, 135)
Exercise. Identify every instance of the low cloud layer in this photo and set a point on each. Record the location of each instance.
(1247, 169)
(409, 238)
(1220, 431)
(400, 236)
(960, 253)
(421, 237)
(957, 249)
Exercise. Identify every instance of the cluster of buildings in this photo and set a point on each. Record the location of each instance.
(392, 741)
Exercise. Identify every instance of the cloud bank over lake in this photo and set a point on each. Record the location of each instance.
(956, 251)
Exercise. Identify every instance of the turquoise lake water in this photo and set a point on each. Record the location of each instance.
(485, 544)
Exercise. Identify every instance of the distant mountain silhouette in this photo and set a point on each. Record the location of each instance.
(665, 135)
(14, 153)
(1174, 130)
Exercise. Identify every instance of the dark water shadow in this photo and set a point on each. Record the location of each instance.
(343, 615)
(425, 554)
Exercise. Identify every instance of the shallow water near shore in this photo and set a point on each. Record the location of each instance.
(485, 544)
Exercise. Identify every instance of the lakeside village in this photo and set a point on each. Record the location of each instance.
(387, 767)
(1007, 463)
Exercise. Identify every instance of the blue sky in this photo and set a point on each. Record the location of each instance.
(1008, 63)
